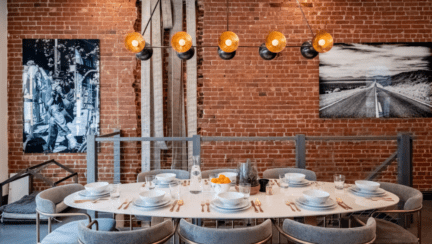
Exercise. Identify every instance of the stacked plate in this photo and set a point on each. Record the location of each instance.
(146, 206)
(296, 180)
(301, 183)
(365, 193)
(91, 195)
(163, 184)
(219, 206)
(163, 180)
(329, 204)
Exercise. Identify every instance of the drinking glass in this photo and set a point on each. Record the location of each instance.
(339, 181)
(245, 188)
(115, 191)
(283, 181)
(150, 181)
(269, 189)
(174, 190)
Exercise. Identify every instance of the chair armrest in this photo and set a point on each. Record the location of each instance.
(398, 211)
(65, 215)
(288, 236)
(93, 222)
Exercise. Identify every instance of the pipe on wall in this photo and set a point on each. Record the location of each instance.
(3, 95)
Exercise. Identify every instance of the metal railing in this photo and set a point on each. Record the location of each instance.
(403, 153)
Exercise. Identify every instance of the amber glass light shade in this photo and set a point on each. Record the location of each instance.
(134, 42)
(228, 41)
(275, 42)
(181, 42)
(322, 42)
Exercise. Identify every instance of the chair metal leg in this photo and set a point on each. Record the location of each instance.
(49, 225)
(232, 227)
(37, 227)
(340, 220)
(419, 226)
(325, 222)
(130, 222)
(279, 234)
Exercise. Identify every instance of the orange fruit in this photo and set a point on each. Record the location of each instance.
(226, 181)
(222, 176)
(214, 180)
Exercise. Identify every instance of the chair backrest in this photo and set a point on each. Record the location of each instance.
(180, 174)
(315, 234)
(205, 235)
(274, 173)
(412, 198)
(46, 200)
(207, 173)
(140, 236)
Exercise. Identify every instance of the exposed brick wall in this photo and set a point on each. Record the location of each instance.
(248, 96)
(108, 21)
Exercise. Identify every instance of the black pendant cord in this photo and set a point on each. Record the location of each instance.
(227, 12)
(151, 16)
(304, 16)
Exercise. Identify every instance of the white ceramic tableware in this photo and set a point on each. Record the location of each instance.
(231, 175)
(96, 187)
(166, 177)
(153, 196)
(230, 198)
(316, 196)
(368, 186)
(295, 177)
(219, 188)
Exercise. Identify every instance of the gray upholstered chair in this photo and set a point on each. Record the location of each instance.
(308, 234)
(68, 233)
(159, 233)
(207, 173)
(193, 234)
(274, 173)
(411, 199)
(180, 174)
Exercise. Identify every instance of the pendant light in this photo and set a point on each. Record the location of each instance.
(322, 42)
(182, 43)
(275, 42)
(307, 50)
(228, 41)
(134, 42)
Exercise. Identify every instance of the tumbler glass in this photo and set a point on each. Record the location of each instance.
(339, 181)
(283, 181)
(115, 191)
(150, 181)
(245, 188)
(174, 190)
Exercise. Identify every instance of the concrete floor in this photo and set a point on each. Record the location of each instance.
(26, 233)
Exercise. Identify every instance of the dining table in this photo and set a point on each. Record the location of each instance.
(273, 206)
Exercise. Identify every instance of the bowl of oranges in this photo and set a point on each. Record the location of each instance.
(221, 184)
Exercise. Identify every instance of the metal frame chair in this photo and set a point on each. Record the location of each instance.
(294, 239)
(38, 213)
(163, 240)
(182, 238)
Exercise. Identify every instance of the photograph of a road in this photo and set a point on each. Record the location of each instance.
(395, 82)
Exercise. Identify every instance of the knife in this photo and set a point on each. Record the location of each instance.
(253, 204)
(173, 206)
(342, 206)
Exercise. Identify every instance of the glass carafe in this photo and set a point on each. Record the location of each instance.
(196, 184)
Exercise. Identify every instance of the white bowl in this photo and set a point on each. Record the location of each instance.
(295, 177)
(366, 185)
(316, 196)
(166, 177)
(231, 175)
(220, 188)
(231, 198)
(96, 187)
(152, 196)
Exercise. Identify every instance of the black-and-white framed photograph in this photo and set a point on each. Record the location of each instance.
(376, 80)
(61, 94)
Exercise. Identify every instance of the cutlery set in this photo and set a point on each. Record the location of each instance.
(255, 204)
(92, 201)
(342, 204)
(290, 204)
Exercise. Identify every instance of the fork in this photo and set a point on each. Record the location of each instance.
(208, 205)
(143, 185)
(125, 202)
(258, 203)
(128, 204)
(339, 200)
(292, 203)
(202, 206)
(180, 203)
(288, 204)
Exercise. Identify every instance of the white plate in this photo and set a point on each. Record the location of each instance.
(222, 210)
(356, 191)
(307, 207)
(218, 203)
(85, 193)
(299, 184)
(139, 202)
(329, 203)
